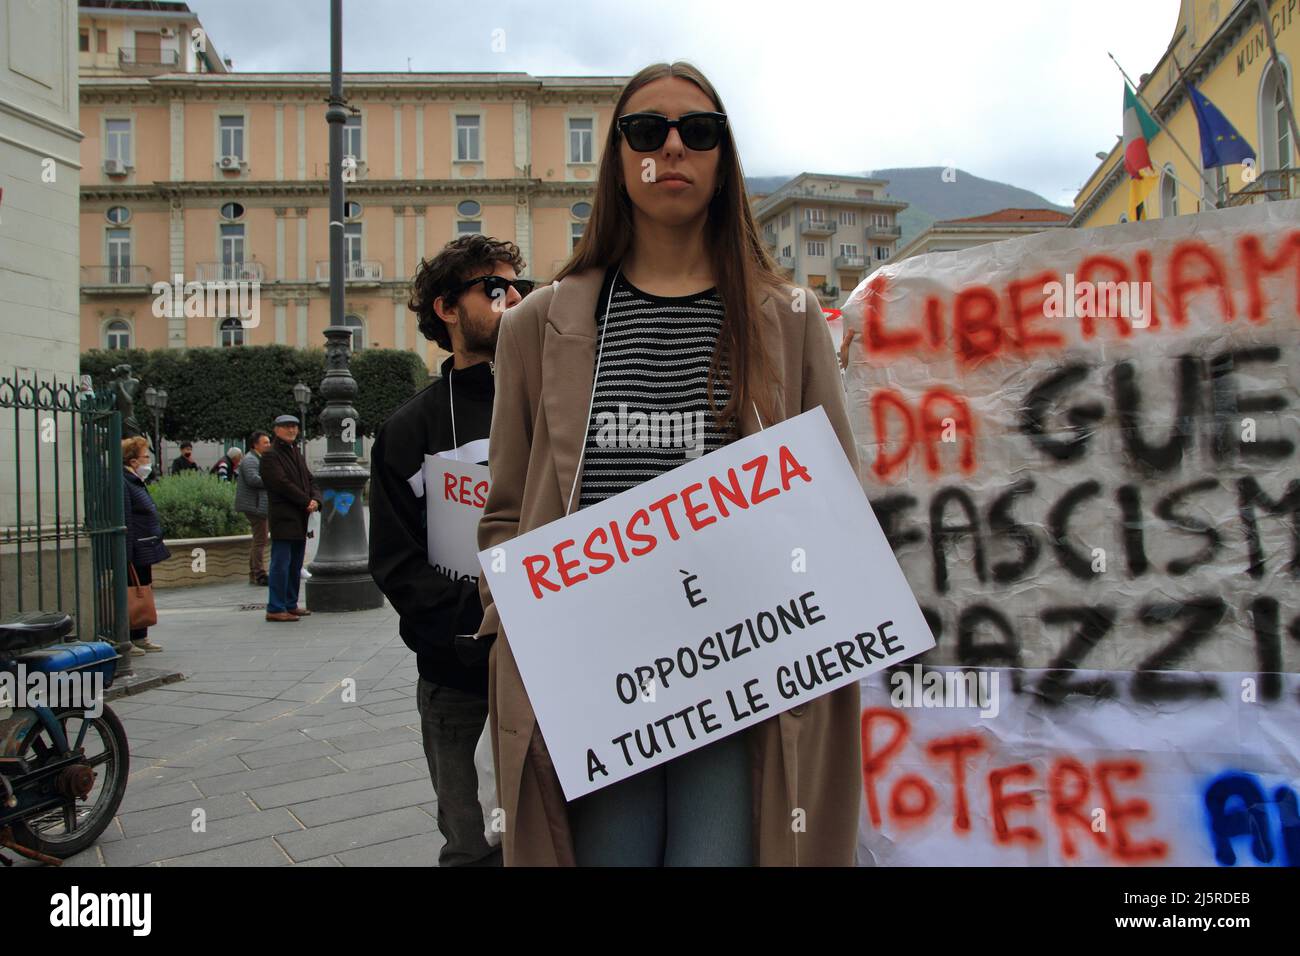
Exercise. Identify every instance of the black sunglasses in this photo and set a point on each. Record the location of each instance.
(646, 132)
(496, 286)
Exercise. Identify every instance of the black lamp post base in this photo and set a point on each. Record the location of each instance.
(124, 666)
(343, 592)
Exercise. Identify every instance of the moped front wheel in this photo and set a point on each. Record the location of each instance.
(88, 802)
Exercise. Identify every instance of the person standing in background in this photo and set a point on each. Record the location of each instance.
(144, 533)
(292, 496)
(227, 465)
(251, 502)
(185, 460)
(458, 298)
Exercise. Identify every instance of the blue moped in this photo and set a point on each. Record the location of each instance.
(64, 759)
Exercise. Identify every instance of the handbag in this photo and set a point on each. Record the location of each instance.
(140, 609)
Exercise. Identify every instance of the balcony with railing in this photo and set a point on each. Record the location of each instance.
(875, 231)
(769, 238)
(355, 272)
(136, 60)
(850, 262)
(230, 272)
(1269, 186)
(818, 227)
(833, 197)
(115, 280)
(785, 262)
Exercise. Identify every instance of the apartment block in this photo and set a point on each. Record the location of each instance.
(828, 232)
(209, 174)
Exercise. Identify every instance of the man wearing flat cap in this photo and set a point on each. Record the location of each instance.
(292, 495)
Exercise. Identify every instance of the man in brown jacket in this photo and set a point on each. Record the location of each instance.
(806, 759)
(292, 496)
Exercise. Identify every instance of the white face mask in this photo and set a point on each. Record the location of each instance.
(143, 471)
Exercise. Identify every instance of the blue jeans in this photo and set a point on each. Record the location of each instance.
(285, 575)
(695, 810)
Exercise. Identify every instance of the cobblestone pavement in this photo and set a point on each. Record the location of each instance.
(260, 737)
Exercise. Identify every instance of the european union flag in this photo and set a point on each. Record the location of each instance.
(1221, 144)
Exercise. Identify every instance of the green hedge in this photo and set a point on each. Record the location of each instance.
(216, 393)
(385, 379)
(197, 506)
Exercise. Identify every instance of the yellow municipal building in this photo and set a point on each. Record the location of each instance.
(1223, 49)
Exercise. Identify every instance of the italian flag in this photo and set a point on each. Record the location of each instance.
(1139, 128)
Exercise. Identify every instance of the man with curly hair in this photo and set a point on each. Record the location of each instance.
(458, 298)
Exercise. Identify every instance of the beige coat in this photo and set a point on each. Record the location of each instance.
(807, 759)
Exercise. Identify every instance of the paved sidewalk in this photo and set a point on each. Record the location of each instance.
(260, 738)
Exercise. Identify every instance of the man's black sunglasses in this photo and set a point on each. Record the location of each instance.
(646, 132)
(496, 286)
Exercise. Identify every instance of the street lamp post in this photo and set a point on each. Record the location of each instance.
(151, 403)
(302, 398)
(162, 407)
(340, 573)
(155, 399)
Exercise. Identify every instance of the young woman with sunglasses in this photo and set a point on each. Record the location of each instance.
(670, 303)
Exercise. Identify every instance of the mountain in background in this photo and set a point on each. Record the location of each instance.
(930, 198)
(765, 184)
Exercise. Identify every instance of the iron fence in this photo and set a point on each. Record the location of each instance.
(62, 524)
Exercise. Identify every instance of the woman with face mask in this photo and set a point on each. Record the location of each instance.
(670, 304)
(144, 535)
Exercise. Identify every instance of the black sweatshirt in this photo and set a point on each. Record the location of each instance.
(433, 607)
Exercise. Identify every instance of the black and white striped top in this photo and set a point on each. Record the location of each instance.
(651, 411)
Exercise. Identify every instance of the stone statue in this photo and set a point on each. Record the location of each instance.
(125, 388)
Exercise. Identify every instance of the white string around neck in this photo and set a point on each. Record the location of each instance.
(595, 377)
(451, 397)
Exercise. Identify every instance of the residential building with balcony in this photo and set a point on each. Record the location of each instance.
(141, 38)
(222, 176)
(827, 232)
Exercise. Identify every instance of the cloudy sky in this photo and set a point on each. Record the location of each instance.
(1015, 90)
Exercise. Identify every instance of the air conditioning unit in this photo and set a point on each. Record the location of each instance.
(115, 167)
(167, 32)
(229, 162)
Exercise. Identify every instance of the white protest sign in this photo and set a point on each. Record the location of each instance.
(739, 585)
(456, 489)
(476, 451)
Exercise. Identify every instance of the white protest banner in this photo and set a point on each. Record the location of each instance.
(976, 768)
(741, 584)
(1082, 446)
(456, 488)
(1084, 442)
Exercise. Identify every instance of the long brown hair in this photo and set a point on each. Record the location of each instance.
(741, 265)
